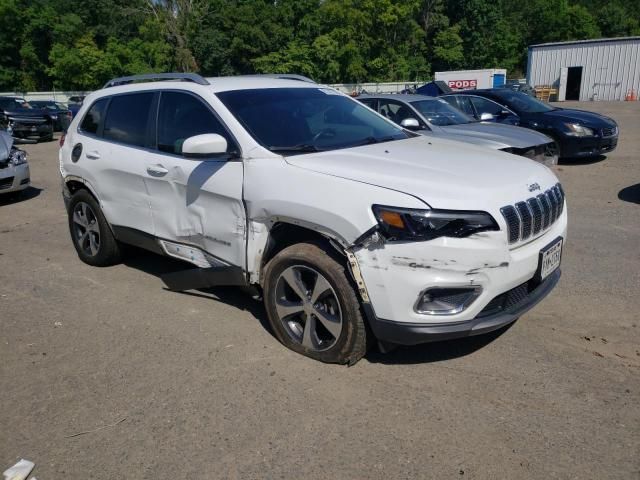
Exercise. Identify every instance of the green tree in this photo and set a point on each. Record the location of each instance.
(448, 51)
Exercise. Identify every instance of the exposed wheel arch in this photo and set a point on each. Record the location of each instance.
(284, 234)
(74, 184)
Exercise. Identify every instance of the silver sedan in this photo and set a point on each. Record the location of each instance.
(434, 116)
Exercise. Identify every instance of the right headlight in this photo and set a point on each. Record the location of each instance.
(17, 157)
(421, 225)
(577, 130)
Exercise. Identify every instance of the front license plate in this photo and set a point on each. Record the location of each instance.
(550, 258)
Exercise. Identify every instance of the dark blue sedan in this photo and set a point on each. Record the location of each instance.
(578, 133)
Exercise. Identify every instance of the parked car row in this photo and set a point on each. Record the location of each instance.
(578, 133)
(33, 121)
(435, 117)
(353, 228)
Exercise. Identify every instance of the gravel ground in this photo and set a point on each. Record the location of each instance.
(104, 374)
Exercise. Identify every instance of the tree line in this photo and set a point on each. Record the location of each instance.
(80, 44)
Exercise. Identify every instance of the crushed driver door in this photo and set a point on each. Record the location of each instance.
(195, 202)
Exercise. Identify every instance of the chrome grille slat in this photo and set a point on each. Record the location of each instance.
(531, 217)
(525, 218)
(558, 202)
(554, 204)
(536, 211)
(561, 197)
(513, 222)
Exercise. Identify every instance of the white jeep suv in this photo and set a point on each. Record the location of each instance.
(353, 228)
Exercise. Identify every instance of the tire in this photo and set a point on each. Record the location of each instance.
(90, 232)
(308, 325)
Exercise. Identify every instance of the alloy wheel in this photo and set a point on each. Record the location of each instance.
(86, 229)
(308, 308)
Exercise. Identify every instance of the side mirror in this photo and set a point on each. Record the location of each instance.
(203, 146)
(410, 124)
(486, 117)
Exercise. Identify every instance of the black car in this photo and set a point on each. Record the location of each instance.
(74, 108)
(578, 133)
(76, 100)
(23, 122)
(60, 114)
(516, 86)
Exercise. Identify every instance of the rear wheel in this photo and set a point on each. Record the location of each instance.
(312, 306)
(90, 232)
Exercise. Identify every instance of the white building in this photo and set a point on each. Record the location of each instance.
(471, 79)
(604, 69)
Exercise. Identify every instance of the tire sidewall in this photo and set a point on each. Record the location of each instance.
(317, 258)
(104, 256)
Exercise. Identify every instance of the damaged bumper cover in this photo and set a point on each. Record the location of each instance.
(416, 333)
(399, 278)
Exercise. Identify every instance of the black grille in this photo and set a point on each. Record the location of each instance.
(525, 218)
(530, 217)
(513, 222)
(536, 209)
(609, 131)
(6, 182)
(546, 211)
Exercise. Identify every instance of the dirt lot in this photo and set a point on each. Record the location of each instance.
(172, 385)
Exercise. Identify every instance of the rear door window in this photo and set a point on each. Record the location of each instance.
(182, 116)
(461, 103)
(483, 105)
(94, 117)
(396, 111)
(128, 118)
(369, 102)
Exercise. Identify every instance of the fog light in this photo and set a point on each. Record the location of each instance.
(446, 301)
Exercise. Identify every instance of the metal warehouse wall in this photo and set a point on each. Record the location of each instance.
(610, 68)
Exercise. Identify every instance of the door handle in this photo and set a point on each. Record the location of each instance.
(157, 170)
(93, 155)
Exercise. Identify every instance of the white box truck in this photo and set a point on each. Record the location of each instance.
(472, 79)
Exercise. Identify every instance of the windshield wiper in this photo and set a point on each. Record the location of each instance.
(303, 147)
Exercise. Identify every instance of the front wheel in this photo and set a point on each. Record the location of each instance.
(90, 231)
(312, 306)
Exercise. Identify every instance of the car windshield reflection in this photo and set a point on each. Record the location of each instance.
(291, 121)
(440, 113)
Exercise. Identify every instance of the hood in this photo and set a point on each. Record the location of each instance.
(498, 134)
(588, 119)
(442, 173)
(31, 113)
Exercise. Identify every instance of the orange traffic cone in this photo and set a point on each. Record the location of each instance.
(631, 96)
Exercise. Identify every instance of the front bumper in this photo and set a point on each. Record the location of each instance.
(584, 147)
(395, 274)
(14, 179)
(24, 130)
(416, 333)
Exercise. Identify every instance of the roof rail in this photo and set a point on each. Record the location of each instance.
(153, 77)
(284, 76)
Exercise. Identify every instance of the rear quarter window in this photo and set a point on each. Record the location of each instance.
(93, 118)
(127, 118)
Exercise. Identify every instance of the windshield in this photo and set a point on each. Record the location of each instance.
(14, 104)
(298, 120)
(439, 112)
(46, 104)
(522, 103)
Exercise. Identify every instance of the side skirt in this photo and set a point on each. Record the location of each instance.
(219, 274)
